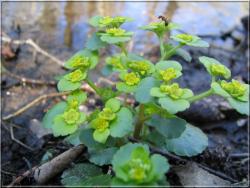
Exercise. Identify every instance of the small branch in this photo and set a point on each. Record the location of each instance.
(30, 81)
(140, 122)
(35, 46)
(50, 169)
(201, 96)
(32, 103)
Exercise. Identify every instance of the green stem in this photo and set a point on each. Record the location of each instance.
(93, 86)
(162, 48)
(172, 51)
(140, 122)
(123, 48)
(201, 96)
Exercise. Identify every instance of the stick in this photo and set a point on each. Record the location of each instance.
(34, 102)
(50, 169)
(35, 46)
(31, 81)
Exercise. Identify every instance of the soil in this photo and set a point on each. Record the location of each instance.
(227, 130)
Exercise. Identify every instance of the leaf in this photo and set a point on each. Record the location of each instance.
(170, 128)
(173, 106)
(107, 93)
(184, 54)
(102, 157)
(192, 142)
(113, 104)
(239, 106)
(156, 92)
(65, 85)
(97, 181)
(95, 43)
(94, 21)
(52, 113)
(121, 86)
(122, 156)
(101, 136)
(107, 70)
(61, 128)
(123, 124)
(80, 172)
(74, 138)
(160, 166)
(162, 65)
(114, 40)
(156, 138)
(79, 95)
(219, 90)
(86, 138)
(199, 43)
(142, 92)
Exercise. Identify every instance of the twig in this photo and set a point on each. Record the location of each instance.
(21, 177)
(35, 46)
(32, 103)
(30, 81)
(8, 173)
(12, 136)
(51, 168)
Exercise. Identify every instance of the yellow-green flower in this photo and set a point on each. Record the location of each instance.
(234, 88)
(173, 91)
(107, 20)
(107, 114)
(116, 32)
(168, 74)
(80, 61)
(115, 62)
(100, 124)
(131, 79)
(73, 103)
(218, 70)
(75, 76)
(139, 169)
(185, 37)
(140, 67)
(71, 116)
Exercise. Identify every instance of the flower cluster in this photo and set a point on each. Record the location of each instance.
(174, 91)
(234, 88)
(101, 123)
(190, 40)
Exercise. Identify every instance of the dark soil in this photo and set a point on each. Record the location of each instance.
(227, 130)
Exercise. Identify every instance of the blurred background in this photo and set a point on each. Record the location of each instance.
(61, 29)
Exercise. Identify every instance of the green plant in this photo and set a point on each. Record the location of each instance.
(107, 132)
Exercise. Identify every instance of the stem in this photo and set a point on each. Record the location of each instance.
(140, 122)
(172, 51)
(201, 96)
(92, 85)
(162, 48)
(123, 48)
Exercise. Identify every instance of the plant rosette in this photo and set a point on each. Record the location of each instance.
(236, 93)
(130, 82)
(115, 36)
(166, 71)
(215, 68)
(159, 28)
(108, 22)
(190, 40)
(171, 97)
(133, 165)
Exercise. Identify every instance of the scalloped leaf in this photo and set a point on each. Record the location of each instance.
(65, 85)
(94, 42)
(239, 106)
(113, 104)
(173, 106)
(102, 157)
(162, 65)
(52, 113)
(86, 138)
(168, 127)
(192, 142)
(123, 124)
(97, 181)
(121, 86)
(142, 92)
(184, 54)
(78, 173)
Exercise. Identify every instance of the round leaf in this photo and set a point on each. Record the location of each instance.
(121, 86)
(123, 124)
(60, 128)
(95, 43)
(86, 138)
(142, 92)
(170, 128)
(79, 95)
(162, 65)
(52, 113)
(239, 106)
(65, 85)
(102, 157)
(113, 104)
(174, 106)
(156, 92)
(192, 142)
